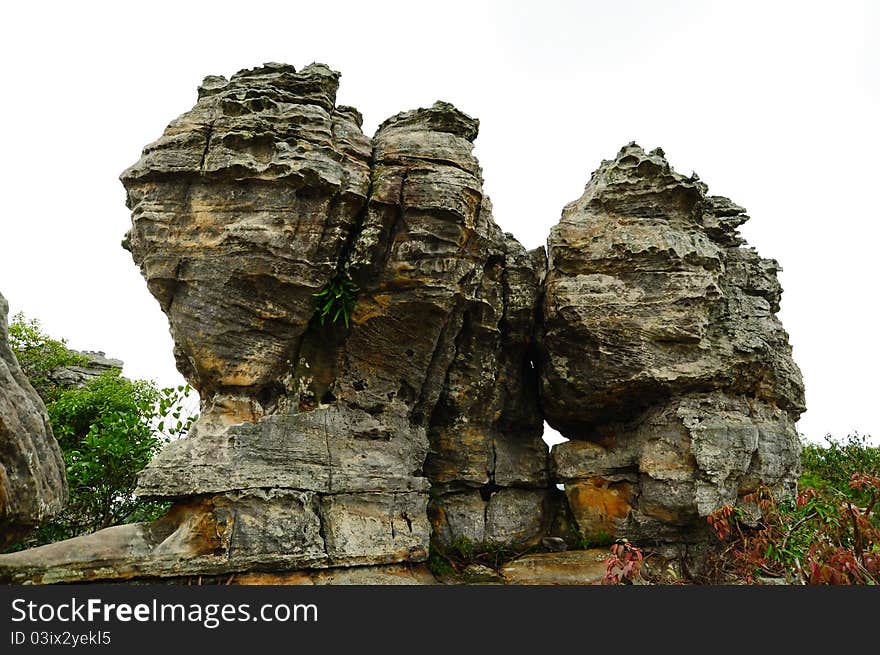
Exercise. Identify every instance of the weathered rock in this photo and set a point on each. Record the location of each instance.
(650, 294)
(442, 331)
(598, 505)
(78, 375)
(313, 422)
(648, 338)
(275, 529)
(572, 567)
(663, 359)
(556, 544)
(479, 574)
(360, 400)
(240, 212)
(331, 449)
(486, 428)
(394, 574)
(571, 458)
(234, 242)
(703, 451)
(375, 528)
(213, 535)
(33, 482)
(510, 516)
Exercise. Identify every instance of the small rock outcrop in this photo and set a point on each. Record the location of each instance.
(663, 359)
(376, 358)
(33, 482)
(94, 365)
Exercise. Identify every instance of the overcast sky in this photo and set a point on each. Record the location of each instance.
(774, 104)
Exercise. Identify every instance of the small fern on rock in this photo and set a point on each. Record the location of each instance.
(336, 300)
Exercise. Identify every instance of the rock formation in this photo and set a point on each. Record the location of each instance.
(242, 210)
(376, 358)
(94, 365)
(663, 360)
(33, 483)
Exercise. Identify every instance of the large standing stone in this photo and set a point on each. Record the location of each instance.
(33, 482)
(243, 210)
(240, 212)
(663, 358)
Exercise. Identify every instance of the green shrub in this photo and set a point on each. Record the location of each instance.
(831, 466)
(108, 431)
(38, 354)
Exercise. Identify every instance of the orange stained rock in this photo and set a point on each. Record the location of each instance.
(598, 504)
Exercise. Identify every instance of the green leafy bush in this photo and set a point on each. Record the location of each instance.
(108, 431)
(830, 466)
(38, 354)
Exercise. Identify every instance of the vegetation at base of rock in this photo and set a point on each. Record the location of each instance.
(461, 553)
(624, 565)
(439, 565)
(336, 300)
(601, 538)
(829, 534)
(108, 430)
(38, 354)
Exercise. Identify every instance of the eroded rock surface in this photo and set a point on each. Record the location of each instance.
(648, 338)
(240, 212)
(437, 304)
(574, 567)
(664, 361)
(33, 482)
(261, 196)
(95, 364)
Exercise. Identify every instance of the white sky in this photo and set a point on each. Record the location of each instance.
(774, 104)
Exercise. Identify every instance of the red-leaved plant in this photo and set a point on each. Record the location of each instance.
(624, 564)
(825, 537)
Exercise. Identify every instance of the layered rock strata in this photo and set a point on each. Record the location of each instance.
(294, 413)
(94, 365)
(33, 482)
(487, 463)
(411, 412)
(314, 434)
(663, 359)
(240, 212)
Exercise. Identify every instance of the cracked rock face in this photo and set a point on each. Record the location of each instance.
(663, 359)
(246, 207)
(240, 212)
(488, 463)
(650, 293)
(33, 482)
(647, 335)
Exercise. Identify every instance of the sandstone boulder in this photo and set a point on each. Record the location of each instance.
(240, 212)
(376, 357)
(663, 358)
